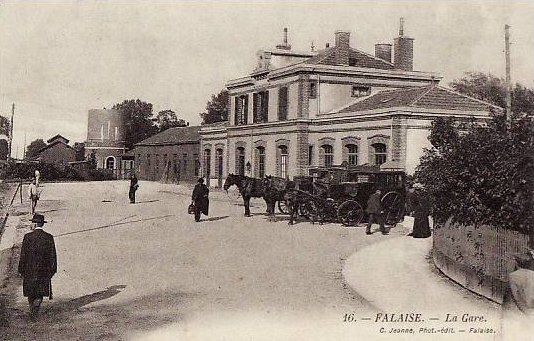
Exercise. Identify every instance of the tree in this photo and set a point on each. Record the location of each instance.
(166, 119)
(492, 89)
(34, 147)
(5, 126)
(4, 149)
(79, 147)
(216, 108)
(482, 176)
(137, 120)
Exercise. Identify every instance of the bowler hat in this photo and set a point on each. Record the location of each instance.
(38, 218)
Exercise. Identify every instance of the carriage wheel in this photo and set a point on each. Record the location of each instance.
(282, 207)
(393, 206)
(309, 210)
(350, 213)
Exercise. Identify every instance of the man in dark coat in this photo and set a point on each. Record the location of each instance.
(133, 187)
(374, 209)
(200, 199)
(37, 265)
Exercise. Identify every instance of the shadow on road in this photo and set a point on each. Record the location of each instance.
(113, 224)
(216, 218)
(62, 307)
(146, 201)
(71, 320)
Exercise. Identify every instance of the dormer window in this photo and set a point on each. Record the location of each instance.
(360, 91)
(352, 61)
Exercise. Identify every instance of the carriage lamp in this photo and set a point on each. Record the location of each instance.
(249, 166)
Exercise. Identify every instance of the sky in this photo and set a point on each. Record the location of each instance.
(58, 60)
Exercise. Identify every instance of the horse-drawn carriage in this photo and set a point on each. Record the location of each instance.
(333, 194)
(340, 193)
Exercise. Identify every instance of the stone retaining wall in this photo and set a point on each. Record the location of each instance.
(478, 258)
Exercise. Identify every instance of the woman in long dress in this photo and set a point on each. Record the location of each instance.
(421, 225)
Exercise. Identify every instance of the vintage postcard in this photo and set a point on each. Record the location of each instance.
(267, 170)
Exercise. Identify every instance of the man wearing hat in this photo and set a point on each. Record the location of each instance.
(37, 265)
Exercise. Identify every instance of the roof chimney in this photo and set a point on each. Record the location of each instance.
(403, 50)
(342, 47)
(285, 45)
(383, 51)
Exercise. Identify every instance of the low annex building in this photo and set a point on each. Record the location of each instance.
(57, 151)
(322, 108)
(169, 156)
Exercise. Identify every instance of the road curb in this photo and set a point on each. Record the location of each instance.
(7, 237)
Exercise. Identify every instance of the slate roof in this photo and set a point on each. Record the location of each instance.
(429, 97)
(176, 135)
(327, 57)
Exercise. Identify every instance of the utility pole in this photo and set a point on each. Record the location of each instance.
(11, 131)
(24, 148)
(508, 77)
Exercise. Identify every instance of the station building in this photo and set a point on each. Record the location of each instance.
(298, 110)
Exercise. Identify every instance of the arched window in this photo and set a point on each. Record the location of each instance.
(219, 157)
(240, 161)
(328, 155)
(110, 162)
(380, 151)
(352, 154)
(260, 161)
(283, 161)
(207, 163)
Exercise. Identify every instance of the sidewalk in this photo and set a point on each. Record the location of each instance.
(397, 275)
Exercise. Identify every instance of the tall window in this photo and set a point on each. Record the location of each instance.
(352, 154)
(310, 155)
(260, 152)
(240, 161)
(313, 89)
(110, 162)
(156, 161)
(219, 157)
(328, 155)
(284, 156)
(184, 163)
(207, 162)
(261, 106)
(148, 160)
(197, 164)
(241, 109)
(380, 153)
(282, 103)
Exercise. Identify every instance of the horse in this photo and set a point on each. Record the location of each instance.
(280, 189)
(248, 188)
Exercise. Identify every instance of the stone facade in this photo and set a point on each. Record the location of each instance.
(105, 138)
(363, 110)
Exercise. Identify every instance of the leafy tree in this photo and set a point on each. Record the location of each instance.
(34, 147)
(80, 151)
(216, 108)
(483, 176)
(4, 149)
(492, 89)
(166, 119)
(5, 126)
(137, 120)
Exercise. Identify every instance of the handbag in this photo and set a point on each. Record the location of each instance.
(191, 208)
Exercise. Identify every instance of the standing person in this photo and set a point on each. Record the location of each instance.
(421, 225)
(37, 265)
(34, 195)
(374, 209)
(133, 187)
(200, 199)
(37, 177)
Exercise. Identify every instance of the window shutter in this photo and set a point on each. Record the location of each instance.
(255, 107)
(245, 110)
